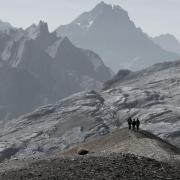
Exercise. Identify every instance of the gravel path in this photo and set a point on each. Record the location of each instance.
(109, 167)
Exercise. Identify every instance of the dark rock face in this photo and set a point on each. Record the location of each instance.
(108, 31)
(114, 166)
(55, 68)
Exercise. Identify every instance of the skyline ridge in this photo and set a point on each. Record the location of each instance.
(65, 12)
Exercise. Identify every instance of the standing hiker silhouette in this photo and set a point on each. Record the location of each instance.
(137, 124)
(129, 122)
(134, 124)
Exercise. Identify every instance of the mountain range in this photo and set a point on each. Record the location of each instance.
(109, 31)
(37, 68)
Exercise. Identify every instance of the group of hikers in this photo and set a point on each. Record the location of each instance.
(133, 123)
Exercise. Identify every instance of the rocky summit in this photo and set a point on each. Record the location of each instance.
(109, 31)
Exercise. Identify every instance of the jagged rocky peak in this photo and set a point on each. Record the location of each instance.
(98, 14)
(108, 12)
(35, 31)
(43, 27)
(60, 67)
(103, 6)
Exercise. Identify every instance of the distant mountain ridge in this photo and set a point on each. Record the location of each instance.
(168, 42)
(5, 26)
(59, 67)
(109, 31)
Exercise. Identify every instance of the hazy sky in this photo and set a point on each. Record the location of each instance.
(153, 16)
